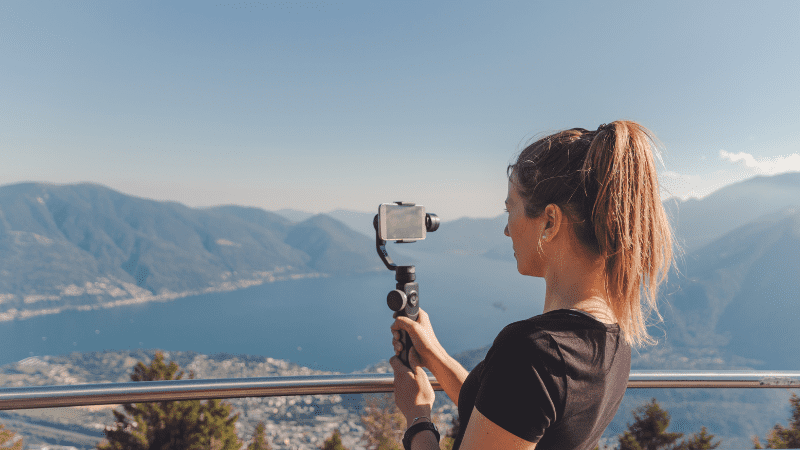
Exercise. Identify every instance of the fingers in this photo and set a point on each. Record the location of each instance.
(413, 360)
(398, 365)
(403, 323)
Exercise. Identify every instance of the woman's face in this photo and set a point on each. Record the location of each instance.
(525, 234)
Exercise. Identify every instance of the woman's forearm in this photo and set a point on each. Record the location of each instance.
(449, 373)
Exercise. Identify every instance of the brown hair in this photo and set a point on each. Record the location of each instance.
(605, 182)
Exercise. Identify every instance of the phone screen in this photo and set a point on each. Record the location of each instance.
(401, 222)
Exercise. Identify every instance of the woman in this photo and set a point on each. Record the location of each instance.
(584, 213)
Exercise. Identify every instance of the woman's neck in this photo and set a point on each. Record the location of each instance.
(580, 285)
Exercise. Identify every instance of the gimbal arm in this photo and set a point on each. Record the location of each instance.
(380, 245)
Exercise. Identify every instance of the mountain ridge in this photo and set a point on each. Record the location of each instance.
(86, 245)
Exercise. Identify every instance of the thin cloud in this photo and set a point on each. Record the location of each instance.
(765, 166)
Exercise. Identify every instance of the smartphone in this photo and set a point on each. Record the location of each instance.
(404, 223)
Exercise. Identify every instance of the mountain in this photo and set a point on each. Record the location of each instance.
(332, 247)
(86, 245)
(293, 214)
(741, 292)
(468, 236)
(698, 222)
(356, 220)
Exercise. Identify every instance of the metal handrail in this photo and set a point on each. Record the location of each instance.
(152, 391)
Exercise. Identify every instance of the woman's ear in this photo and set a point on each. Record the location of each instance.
(552, 221)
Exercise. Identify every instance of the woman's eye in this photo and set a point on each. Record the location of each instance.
(505, 209)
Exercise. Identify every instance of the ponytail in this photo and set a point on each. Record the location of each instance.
(632, 231)
(606, 181)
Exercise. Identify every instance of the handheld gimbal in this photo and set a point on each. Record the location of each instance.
(404, 299)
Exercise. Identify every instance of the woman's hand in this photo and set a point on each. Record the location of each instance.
(413, 392)
(429, 353)
(421, 333)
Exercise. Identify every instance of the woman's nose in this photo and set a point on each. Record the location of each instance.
(505, 231)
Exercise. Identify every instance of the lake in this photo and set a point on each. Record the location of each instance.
(337, 324)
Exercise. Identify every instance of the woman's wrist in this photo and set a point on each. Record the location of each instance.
(438, 359)
(424, 440)
(422, 435)
(417, 415)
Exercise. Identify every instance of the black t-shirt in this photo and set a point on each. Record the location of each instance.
(556, 379)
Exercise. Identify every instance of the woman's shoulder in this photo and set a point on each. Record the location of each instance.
(552, 330)
(556, 321)
(524, 337)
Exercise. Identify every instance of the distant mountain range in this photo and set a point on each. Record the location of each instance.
(732, 301)
(80, 246)
(734, 293)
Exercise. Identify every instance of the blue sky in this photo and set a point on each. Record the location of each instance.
(324, 105)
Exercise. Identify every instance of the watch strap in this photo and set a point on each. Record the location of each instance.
(416, 428)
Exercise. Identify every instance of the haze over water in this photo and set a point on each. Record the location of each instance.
(338, 324)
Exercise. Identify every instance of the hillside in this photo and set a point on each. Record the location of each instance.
(698, 222)
(84, 246)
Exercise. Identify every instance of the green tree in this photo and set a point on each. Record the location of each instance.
(649, 429)
(780, 437)
(186, 424)
(449, 439)
(259, 438)
(384, 424)
(699, 441)
(334, 442)
(7, 437)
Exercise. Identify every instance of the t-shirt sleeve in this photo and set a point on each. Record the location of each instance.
(520, 388)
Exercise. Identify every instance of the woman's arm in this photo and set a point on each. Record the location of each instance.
(448, 372)
(482, 433)
(414, 396)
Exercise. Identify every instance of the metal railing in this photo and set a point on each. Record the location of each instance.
(150, 391)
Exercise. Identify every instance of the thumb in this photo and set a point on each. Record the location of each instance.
(414, 361)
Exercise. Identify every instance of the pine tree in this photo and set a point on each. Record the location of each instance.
(186, 424)
(334, 442)
(649, 430)
(259, 438)
(781, 437)
(7, 437)
(628, 442)
(449, 439)
(699, 441)
(383, 423)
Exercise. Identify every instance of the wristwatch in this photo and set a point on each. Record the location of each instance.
(416, 428)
